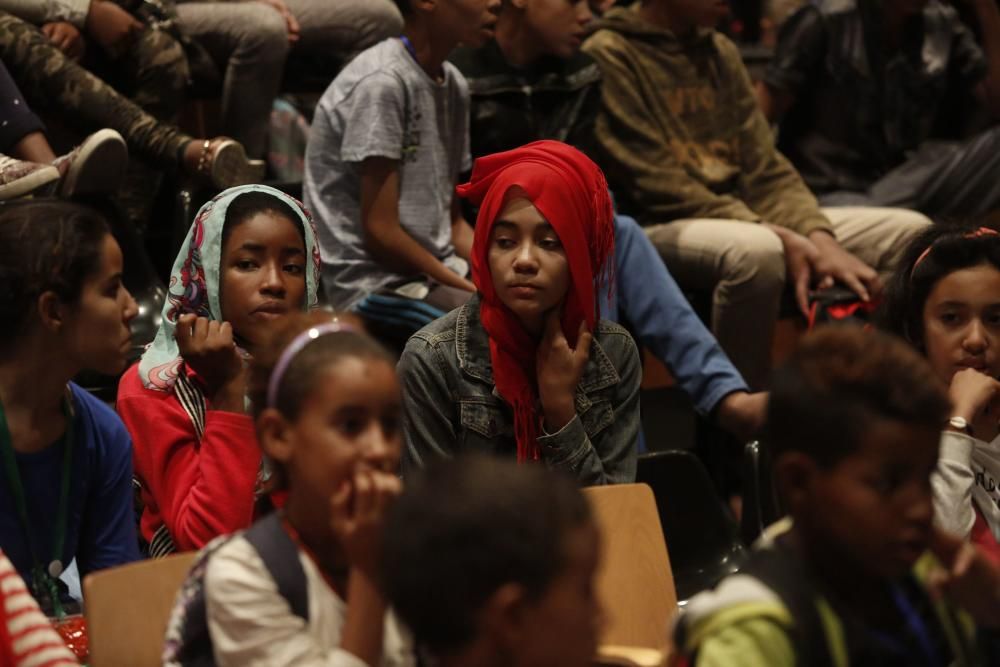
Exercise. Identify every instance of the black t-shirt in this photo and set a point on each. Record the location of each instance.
(860, 108)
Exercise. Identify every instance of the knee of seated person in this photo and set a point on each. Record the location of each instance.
(913, 221)
(263, 32)
(758, 258)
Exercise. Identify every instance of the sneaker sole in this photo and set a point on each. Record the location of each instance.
(99, 166)
(231, 167)
(28, 184)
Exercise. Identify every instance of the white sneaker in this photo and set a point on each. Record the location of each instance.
(19, 178)
(96, 166)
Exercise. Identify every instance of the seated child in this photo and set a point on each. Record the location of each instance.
(526, 369)
(66, 489)
(493, 564)
(249, 260)
(945, 300)
(854, 420)
(327, 408)
(389, 141)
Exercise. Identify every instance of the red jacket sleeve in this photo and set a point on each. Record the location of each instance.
(199, 489)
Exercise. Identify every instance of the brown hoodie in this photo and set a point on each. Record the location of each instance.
(680, 133)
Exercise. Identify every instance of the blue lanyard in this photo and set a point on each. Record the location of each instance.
(409, 46)
(916, 626)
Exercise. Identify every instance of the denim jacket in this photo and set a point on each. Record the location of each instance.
(451, 405)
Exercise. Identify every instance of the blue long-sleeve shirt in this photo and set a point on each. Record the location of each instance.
(100, 527)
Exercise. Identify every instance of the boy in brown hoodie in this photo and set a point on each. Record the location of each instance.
(689, 154)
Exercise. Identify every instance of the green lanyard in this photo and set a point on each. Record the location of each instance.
(43, 579)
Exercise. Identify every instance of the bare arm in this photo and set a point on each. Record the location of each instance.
(385, 238)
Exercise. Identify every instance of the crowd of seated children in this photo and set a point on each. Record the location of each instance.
(689, 153)
(523, 541)
(66, 457)
(526, 368)
(903, 65)
(248, 262)
(279, 441)
(532, 82)
(945, 301)
(854, 422)
(389, 140)
(327, 409)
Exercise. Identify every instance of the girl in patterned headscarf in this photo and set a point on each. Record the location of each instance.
(249, 260)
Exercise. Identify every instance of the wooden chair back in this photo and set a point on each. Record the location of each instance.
(635, 582)
(128, 607)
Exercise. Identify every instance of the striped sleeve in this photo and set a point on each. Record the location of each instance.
(27, 638)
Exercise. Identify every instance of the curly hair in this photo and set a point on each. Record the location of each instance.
(841, 380)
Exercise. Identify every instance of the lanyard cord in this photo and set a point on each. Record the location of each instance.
(41, 576)
(917, 628)
(409, 46)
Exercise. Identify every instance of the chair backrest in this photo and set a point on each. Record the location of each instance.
(635, 583)
(761, 506)
(128, 608)
(704, 539)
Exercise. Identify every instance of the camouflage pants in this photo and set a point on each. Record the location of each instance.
(53, 83)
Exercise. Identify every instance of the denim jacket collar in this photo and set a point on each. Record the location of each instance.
(472, 346)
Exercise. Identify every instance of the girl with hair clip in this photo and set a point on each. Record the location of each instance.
(301, 586)
(945, 299)
(65, 457)
(249, 260)
(526, 368)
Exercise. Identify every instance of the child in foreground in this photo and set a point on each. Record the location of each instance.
(493, 564)
(300, 587)
(854, 422)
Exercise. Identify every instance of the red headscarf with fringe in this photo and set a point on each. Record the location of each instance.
(571, 193)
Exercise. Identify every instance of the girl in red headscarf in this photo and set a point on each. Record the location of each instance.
(525, 368)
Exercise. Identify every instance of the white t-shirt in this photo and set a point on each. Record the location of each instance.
(968, 470)
(251, 624)
(384, 105)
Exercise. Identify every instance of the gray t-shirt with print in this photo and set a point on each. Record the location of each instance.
(384, 105)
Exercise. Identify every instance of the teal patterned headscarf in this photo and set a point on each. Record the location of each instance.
(194, 281)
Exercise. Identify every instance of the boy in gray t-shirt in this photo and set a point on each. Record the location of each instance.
(389, 140)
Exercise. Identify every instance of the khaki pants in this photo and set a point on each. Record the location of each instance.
(742, 264)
